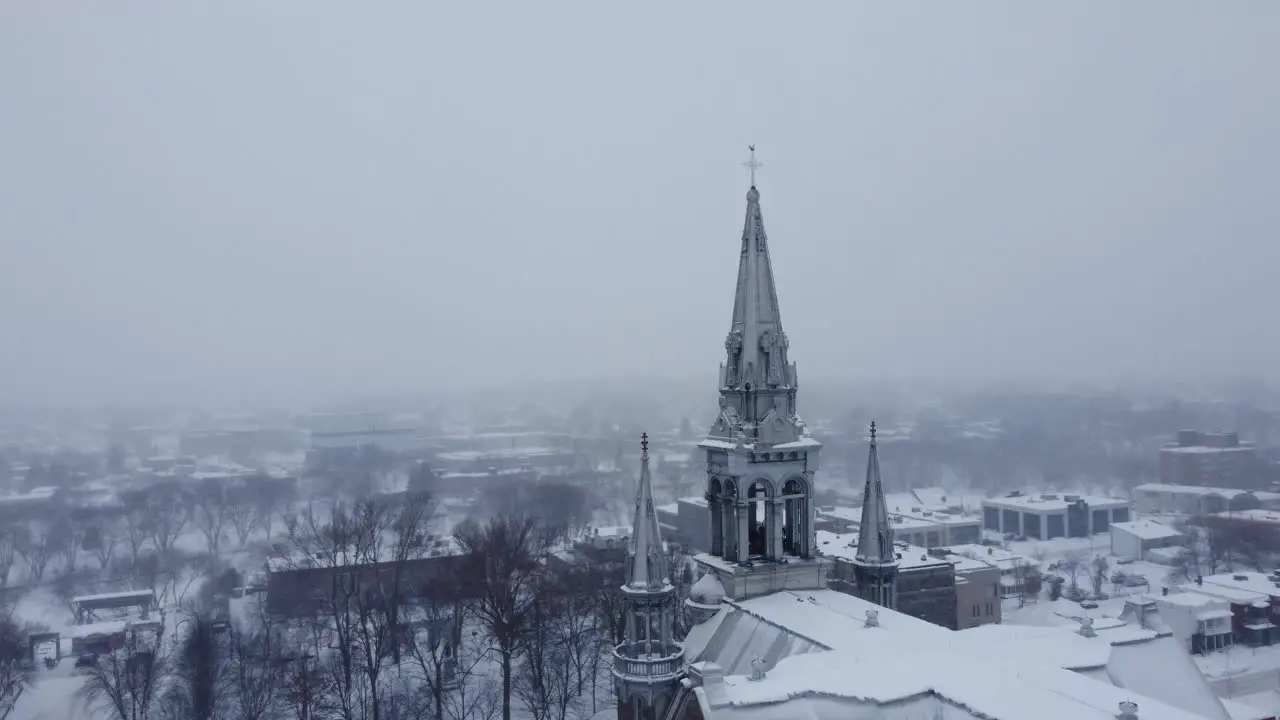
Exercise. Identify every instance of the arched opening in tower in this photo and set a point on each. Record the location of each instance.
(729, 522)
(717, 518)
(795, 511)
(757, 519)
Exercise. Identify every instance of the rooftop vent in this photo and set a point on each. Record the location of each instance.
(1048, 496)
(1086, 628)
(1071, 498)
(1240, 578)
(757, 670)
(873, 617)
(1128, 711)
(915, 509)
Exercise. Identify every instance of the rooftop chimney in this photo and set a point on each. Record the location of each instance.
(873, 617)
(1128, 711)
(1086, 628)
(757, 670)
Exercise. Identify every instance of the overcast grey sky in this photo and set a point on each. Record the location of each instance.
(249, 199)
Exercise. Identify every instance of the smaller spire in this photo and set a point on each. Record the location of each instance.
(875, 532)
(648, 564)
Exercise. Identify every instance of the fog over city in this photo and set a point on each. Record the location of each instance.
(422, 360)
(224, 202)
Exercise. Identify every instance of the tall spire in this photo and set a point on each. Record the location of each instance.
(756, 345)
(875, 533)
(757, 382)
(648, 563)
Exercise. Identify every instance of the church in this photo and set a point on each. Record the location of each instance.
(770, 641)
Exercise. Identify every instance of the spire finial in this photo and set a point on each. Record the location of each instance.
(752, 164)
(644, 444)
(873, 432)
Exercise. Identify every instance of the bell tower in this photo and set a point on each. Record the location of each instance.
(647, 665)
(761, 458)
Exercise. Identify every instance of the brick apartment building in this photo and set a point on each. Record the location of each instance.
(1211, 460)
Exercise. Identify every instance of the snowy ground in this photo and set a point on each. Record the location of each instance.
(54, 696)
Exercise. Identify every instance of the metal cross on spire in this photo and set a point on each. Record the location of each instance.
(753, 164)
(644, 443)
(873, 432)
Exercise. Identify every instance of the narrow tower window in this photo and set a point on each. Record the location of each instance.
(757, 519)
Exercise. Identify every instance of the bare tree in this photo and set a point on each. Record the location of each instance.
(8, 551)
(209, 513)
(1098, 568)
(123, 683)
(365, 546)
(169, 517)
(438, 609)
(256, 671)
(1026, 581)
(16, 673)
(135, 529)
(244, 518)
(105, 544)
(197, 672)
(555, 671)
(71, 541)
(1070, 567)
(37, 546)
(501, 579)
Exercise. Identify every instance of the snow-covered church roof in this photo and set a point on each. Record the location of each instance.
(822, 658)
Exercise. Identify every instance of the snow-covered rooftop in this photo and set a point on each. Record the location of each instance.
(1255, 515)
(1202, 490)
(845, 547)
(1249, 582)
(823, 659)
(1006, 560)
(1046, 502)
(1147, 529)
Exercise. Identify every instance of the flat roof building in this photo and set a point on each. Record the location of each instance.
(1047, 516)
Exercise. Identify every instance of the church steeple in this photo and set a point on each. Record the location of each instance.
(761, 458)
(757, 381)
(876, 561)
(648, 663)
(648, 569)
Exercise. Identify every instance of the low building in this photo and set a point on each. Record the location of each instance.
(946, 589)
(686, 521)
(1254, 599)
(36, 503)
(300, 585)
(1019, 575)
(1164, 499)
(1202, 622)
(465, 484)
(916, 525)
(1133, 540)
(1047, 516)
